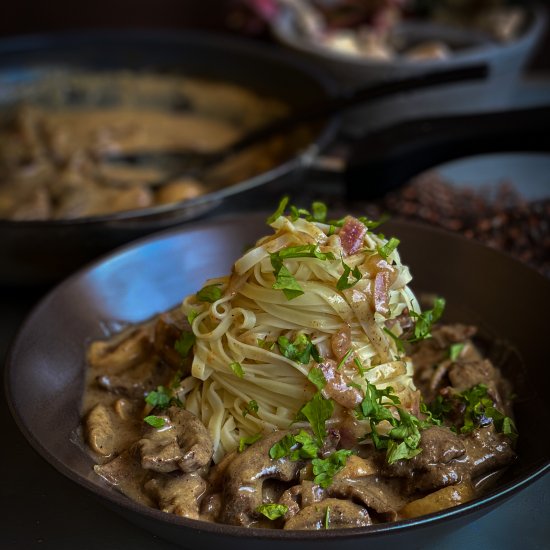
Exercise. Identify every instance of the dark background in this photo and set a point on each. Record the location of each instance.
(32, 16)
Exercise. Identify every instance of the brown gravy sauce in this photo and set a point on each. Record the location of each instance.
(170, 468)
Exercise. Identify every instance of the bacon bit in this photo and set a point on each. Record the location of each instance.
(352, 234)
(380, 294)
(384, 275)
(340, 343)
(337, 387)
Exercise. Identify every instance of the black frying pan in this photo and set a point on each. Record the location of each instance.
(43, 252)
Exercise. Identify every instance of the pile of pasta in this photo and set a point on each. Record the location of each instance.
(299, 286)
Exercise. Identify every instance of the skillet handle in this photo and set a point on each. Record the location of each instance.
(389, 158)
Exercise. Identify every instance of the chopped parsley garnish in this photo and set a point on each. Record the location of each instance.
(398, 342)
(386, 249)
(344, 359)
(264, 344)
(425, 320)
(280, 210)
(272, 511)
(327, 517)
(210, 293)
(155, 421)
(316, 377)
(192, 315)
(477, 409)
(325, 469)
(237, 368)
(317, 411)
(403, 439)
(296, 447)
(184, 344)
(284, 280)
(301, 350)
(304, 251)
(359, 366)
(344, 281)
(162, 398)
(480, 411)
(244, 442)
(455, 350)
(250, 407)
(318, 212)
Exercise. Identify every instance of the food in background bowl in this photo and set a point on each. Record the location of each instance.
(283, 395)
(55, 145)
(381, 29)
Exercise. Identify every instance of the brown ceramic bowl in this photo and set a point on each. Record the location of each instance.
(46, 364)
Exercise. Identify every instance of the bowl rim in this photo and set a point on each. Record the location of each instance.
(113, 497)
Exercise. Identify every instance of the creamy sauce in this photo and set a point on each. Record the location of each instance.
(53, 151)
(170, 467)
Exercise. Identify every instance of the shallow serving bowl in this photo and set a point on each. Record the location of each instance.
(45, 368)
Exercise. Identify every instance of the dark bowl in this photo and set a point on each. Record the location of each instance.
(43, 252)
(46, 364)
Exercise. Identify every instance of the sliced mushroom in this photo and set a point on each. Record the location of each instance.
(182, 443)
(180, 495)
(106, 432)
(126, 475)
(246, 474)
(113, 358)
(439, 500)
(331, 513)
(372, 491)
(300, 496)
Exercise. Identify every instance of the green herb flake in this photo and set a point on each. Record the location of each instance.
(264, 344)
(304, 251)
(301, 350)
(159, 398)
(455, 350)
(317, 411)
(280, 210)
(344, 359)
(319, 211)
(251, 407)
(327, 518)
(360, 366)
(184, 344)
(426, 319)
(284, 280)
(191, 316)
(237, 368)
(344, 281)
(272, 511)
(386, 250)
(245, 442)
(283, 447)
(316, 377)
(296, 447)
(210, 293)
(398, 342)
(324, 469)
(155, 421)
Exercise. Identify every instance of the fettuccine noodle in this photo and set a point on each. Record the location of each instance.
(237, 359)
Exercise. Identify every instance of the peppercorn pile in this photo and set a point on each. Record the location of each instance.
(498, 216)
